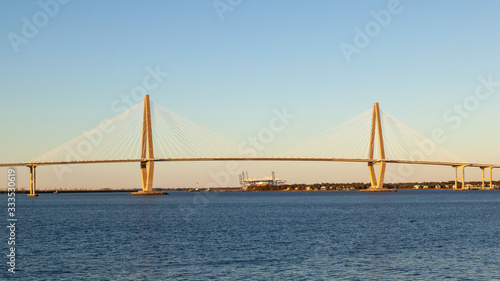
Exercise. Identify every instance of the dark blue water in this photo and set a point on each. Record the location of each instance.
(410, 235)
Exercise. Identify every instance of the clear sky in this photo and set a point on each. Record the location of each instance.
(65, 67)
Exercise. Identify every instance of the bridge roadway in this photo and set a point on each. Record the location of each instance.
(305, 159)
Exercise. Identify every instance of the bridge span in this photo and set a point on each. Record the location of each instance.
(376, 143)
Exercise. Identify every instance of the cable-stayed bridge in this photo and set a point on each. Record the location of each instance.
(148, 133)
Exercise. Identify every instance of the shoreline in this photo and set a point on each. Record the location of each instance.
(224, 190)
(355, 186)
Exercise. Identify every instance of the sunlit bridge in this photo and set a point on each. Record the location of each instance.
(147, 133)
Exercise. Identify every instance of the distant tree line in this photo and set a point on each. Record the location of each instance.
(358, 185)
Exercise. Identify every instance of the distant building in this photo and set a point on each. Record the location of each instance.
(245, 181)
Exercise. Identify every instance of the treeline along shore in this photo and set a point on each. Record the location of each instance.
(25, 190)
(360, 185)
(285, 187)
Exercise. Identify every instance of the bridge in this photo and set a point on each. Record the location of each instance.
(373, 137)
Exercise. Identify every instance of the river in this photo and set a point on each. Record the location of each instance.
(330, 235)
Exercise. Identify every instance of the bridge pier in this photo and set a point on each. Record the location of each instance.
(147, 154)
(457, 178)
(377, 182)
(147, 172)
(490, 178)
(32, 181)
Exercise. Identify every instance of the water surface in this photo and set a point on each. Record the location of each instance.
(411, 235)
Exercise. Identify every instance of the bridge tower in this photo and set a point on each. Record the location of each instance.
(377, 184)
(147, 153)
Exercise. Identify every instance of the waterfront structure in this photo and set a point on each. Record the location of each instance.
(179, 139)
(245, 181)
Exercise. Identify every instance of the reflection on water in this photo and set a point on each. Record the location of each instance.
(423, 235)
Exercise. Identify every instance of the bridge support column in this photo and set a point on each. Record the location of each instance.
(32, 181)
(455, 187)
(147, 172)
(147, 153)
(490, 178)
(377, 184)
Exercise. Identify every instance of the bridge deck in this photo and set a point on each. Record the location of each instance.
(479, 165)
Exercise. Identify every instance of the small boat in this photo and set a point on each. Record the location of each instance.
(55, 192)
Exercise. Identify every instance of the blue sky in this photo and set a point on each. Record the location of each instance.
(229, 71)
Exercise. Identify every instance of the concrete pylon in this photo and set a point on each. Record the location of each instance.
(489, 179)
(147, 153)
(377, 184)
(32, 181)
(455, 187)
